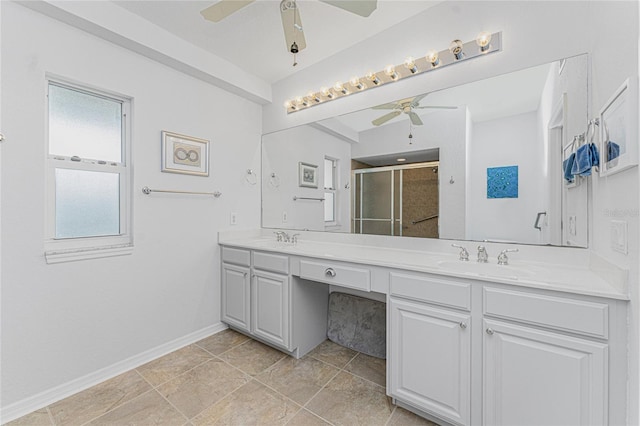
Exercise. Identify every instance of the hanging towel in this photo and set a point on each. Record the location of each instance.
(595, 155)
(567, 165)
(613, 150)
(583, 163)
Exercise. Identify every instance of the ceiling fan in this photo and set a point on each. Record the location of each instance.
(405, 106)
(290, 15)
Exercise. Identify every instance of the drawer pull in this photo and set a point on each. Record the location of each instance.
(463, 325)
(490, 331)
(330, 272)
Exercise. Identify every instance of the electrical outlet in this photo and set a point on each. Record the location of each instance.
(284, 217)
(619, 240)
(572, 226)
(234, 218)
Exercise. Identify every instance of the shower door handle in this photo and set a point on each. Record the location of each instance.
(537, 224)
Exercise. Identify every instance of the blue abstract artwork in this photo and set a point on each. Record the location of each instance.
(502, 182)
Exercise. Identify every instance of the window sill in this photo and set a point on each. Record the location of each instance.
(88, 253)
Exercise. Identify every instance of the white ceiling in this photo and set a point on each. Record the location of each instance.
(253, 39)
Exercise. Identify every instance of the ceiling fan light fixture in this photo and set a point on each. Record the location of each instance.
(371, 76)
(410, 64)
(432, 58)
(355, 82)
(390, 70)
(456, 48)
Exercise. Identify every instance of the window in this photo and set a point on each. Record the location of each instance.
(330, 185)
(87, 174)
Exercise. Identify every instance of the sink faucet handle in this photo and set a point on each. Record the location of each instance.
(278, 235)
(464, 254)
(502, 257)
(483, 256)
(294, 238)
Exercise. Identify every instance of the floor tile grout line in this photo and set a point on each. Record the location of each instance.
(224, 397)
(118, 406)
(174, 407)
(175, 377)
(226, 350)
(51, 419)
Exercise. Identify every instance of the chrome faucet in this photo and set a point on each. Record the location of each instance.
(464, 254)
(294, 238)
(483, 256)
(282, 236)
(502, 257)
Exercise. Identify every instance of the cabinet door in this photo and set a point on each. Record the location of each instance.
(430, 359)
(534, 377)
(270, 308)
(236, 296)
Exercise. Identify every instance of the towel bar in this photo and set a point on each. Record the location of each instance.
(146, 190)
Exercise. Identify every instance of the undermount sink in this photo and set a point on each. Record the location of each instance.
(485, 269)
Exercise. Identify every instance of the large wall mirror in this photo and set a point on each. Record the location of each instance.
(480, 161)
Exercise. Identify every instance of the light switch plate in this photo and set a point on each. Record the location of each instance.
(619, 238)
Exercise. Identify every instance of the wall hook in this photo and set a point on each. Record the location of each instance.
(452, 181)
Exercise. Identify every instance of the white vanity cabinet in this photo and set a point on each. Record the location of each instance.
(256, 295)
(270, 305)
(545, 359)
(429, 359)
(236, 288)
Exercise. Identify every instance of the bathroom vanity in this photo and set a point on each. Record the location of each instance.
(541, 340)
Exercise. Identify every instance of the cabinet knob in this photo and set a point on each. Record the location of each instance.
(463, 325)
(489, 331)
(330, 272)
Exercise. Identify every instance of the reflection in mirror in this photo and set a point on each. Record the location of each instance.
(480, 161)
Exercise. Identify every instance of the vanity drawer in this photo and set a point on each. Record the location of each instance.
(576, 316)
(431, 290)
(336, 274)
(271, 262)
(237, 256)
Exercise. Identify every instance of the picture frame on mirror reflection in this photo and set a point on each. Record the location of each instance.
(618, 139)
(184, 154)
(307, 175)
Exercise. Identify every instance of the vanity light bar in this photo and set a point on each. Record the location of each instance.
(458, 51)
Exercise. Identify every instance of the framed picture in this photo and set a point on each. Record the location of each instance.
(307, 175)
(618, 139)
(502, 182)
(184, 154)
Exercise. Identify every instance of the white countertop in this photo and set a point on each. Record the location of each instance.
(582, 273)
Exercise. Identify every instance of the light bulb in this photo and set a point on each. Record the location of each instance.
(288, 104)
(327, 92)
(313, 97)
(411, 65)
(456, 48)
(355, 82)
(484, 41)
(373, 77)
(433, 59)
(301, 101)
(390, 70)
(340, 88)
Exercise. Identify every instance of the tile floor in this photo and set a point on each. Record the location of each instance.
(230, 379)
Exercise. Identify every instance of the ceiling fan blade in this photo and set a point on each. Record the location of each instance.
(223, 8)
(292, 24)
(385, 118)
(416, 101)
(391, 105)
(436, 107)
(415, 119)
(363, 8)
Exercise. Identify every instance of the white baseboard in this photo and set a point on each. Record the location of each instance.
(43, 399)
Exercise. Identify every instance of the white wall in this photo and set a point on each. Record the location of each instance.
(281, 153)
(441, 129)
(507, 141)
(64, 321)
